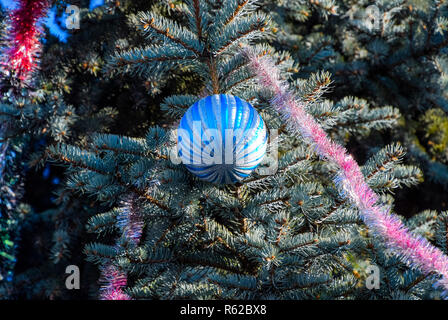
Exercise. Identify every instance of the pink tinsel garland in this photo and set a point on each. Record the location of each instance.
(412, 249)
(113, 279)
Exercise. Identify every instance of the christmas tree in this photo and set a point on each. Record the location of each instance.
(354, 100)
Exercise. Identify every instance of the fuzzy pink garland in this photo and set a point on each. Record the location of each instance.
(114, 280)
(414, 250)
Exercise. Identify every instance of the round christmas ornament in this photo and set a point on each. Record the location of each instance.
(221, 139)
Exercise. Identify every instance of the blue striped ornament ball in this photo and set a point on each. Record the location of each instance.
(221, 139)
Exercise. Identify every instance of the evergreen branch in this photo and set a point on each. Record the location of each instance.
(380, 167)
(149, 60)
(416, 281)
(176, 105)
(331, 212)
(77, 158)
(250, 27)
(203, 263)
(165, 233)
(367, 121)
(152, 24)
(239, 82)
(231, 286)
(307, 285)
(198, 19)
(125, 145)
(236, 11)
(431, 50)
(84, 160)
(146, 196)
(300, 245)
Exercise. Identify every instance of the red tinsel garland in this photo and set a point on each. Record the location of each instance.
(23, 43)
